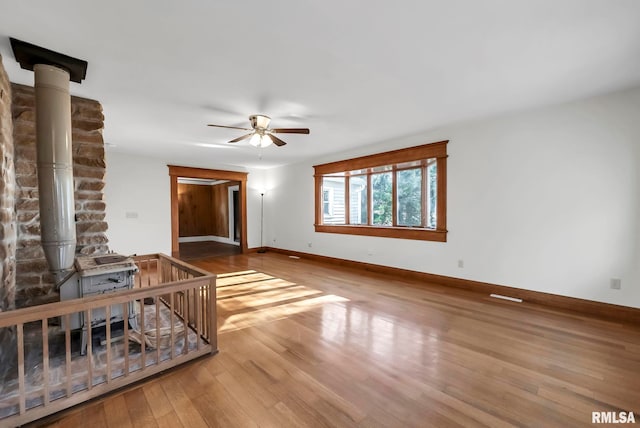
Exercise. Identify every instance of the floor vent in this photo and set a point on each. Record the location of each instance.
(511, 299)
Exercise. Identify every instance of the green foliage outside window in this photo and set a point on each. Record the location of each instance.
(382, 206)
(409, 197)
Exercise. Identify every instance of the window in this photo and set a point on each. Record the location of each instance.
(333, 200)
(327, 199)
(358, 213)
(397, 194)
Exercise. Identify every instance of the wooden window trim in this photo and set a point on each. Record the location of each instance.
(436, 150)
(402, 232)
(432, 150)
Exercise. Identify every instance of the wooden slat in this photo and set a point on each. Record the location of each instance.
(185, 321)
(213, 316)
(21, 382)
(171, 319)
(67, 347)
(148, 273)
(157, 300)
(126, 312)
(203, 304)
(45, 360)
(143, 346)
(108, 338)
(196, 320)
(87, 323)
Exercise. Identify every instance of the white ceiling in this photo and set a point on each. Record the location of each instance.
(356, 72)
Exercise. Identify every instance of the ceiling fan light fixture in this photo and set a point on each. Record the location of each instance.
(261, 141)
(255, 140)
(265, 141)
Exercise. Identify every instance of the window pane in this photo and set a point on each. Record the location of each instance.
(409, 193)
(432, 195)
(409, 164)
(358, 172)
(358, 199)
(381, 199)
(333, 200)
(382, 168)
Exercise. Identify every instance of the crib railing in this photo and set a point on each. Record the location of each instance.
(175, 313)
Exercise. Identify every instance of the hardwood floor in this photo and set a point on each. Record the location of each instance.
(305, 344)
(190, 251)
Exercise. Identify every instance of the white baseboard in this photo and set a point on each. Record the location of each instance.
(206, 238)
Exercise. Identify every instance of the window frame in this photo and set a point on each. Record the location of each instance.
(424, 152)
(328, 202)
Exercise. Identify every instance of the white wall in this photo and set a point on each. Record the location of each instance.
(255, 185)
(545, 200)
(138, 186)
(141, 185)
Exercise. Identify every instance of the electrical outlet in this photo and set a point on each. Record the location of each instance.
(370, 252)
(461, 263)
(616, 283)
(309, 244)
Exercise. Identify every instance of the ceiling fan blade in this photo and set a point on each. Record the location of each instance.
(277, 141)
(244, 137)
(231, 127)
(291, 130)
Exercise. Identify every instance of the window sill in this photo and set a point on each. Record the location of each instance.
(386, 232)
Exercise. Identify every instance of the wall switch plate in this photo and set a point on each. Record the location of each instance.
(131, 214)
(616, 283)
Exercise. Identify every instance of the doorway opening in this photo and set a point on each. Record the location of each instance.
(208, 212)
(234, 214)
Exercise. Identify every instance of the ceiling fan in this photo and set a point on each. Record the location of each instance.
(261, 135)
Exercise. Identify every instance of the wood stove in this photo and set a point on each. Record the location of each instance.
(97, 275)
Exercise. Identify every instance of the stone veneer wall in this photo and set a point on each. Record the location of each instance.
(7, 198)
(34, 282)
(7, 224)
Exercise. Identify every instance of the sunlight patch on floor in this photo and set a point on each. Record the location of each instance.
(248, 319)
(248, 298)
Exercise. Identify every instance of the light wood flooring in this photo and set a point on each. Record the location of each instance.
(306, 344)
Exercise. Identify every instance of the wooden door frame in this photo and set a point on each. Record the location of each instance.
(211, 174)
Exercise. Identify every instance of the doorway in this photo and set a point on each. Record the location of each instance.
(237, 232)
(234, 214)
